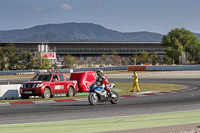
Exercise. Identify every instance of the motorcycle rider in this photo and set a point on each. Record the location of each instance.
(104, 83)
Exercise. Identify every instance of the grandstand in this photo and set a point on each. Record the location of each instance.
(91, 52)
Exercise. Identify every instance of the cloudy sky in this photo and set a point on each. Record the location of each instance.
(122, 15)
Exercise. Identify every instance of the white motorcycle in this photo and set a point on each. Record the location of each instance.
(97, 94)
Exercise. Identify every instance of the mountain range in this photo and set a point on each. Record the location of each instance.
(77, 32)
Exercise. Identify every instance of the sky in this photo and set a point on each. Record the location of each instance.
(121, 15)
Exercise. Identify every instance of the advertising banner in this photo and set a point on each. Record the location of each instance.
(48, 55)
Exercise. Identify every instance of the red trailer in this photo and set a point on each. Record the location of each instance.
(84, 79)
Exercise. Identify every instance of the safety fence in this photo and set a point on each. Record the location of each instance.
(113, 68)
(26, 72)
(164, 68)
(21, 72)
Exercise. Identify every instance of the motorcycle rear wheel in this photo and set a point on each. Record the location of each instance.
(93, 99)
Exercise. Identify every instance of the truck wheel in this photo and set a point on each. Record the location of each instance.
(70, 92)
(47, 93)
(25, 97)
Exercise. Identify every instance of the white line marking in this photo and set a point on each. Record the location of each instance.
(81, 99)
(5, 104)
(140, 95)
(44, 102)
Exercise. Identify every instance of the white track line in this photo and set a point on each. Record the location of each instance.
(44, 102)
(5, 104)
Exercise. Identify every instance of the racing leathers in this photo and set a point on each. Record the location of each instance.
(102, 80)
(104, 83)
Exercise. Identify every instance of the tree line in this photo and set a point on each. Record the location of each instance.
(181, 42)
(24, 60)
(10, 59)
(182, 47)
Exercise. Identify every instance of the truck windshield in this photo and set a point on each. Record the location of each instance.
(45, 77)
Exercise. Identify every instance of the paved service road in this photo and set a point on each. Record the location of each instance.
(188, 100)
(13, 80)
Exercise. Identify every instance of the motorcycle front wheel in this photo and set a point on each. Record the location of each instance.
(93, 99)
(115, 99)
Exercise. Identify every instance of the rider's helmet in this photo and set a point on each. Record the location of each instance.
(99, 72)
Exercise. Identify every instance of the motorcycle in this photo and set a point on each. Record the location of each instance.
(97, 94)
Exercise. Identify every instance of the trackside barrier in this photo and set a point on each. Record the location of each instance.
(102, 68)
(125, 67)
(164, 68)
(136, 68)
(26, 72)
(9, 91)
(62, 70)
(173, 68)
(21, 72)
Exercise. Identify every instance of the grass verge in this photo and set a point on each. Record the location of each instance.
(124, 88)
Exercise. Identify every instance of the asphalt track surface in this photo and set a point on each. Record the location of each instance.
(188, 100)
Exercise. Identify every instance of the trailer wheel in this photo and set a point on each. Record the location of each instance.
(70, 92)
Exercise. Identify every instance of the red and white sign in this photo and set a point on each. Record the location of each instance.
(48, 55)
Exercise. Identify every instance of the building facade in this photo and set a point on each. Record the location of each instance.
(91, 52)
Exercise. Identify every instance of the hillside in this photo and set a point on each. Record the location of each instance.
(76, 32)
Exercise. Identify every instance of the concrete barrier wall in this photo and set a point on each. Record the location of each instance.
(125, 67)
(136, 68)
(165, 68)
(9, 91)
(173, 68)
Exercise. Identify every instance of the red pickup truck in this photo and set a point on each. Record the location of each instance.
(49, 84)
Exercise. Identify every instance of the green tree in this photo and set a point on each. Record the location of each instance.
(178, 41)
(25, 60)
(192, 50)
(30, 60)
(69, 61)
(2, 58)
(154, 58)
(167, 60)
(42, 62)
(123, 62)
(12, 58)
(144, 57)
(197, 55)
(133, 60)
(104, 58)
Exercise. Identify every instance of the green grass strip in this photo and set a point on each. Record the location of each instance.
(107, 124)
(124, 88)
